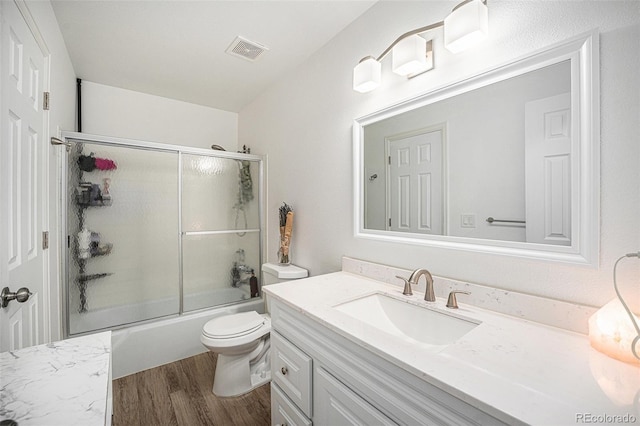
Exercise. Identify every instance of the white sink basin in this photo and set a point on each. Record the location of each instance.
(408, 321)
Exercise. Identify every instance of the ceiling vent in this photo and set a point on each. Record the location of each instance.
(246, 49)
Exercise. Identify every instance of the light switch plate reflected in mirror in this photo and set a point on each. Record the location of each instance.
(468, 221)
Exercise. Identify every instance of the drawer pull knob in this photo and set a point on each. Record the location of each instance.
(284, 371)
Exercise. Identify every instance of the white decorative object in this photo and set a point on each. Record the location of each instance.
(612, 333)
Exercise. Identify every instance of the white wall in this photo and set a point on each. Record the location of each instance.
(304, 125)
(61, 117)
(111, 111)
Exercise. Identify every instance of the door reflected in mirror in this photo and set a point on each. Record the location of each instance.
(501, 151)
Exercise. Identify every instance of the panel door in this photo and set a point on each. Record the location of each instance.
(23, 135)
(291, 370)
(548, 170)
(415, 187)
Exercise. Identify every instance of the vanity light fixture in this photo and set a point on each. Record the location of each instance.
(412, 54)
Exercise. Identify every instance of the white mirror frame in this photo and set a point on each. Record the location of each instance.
(582, 51)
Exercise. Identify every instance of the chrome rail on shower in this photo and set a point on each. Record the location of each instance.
(56, 141)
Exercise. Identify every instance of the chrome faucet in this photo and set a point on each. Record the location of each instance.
(429, 295)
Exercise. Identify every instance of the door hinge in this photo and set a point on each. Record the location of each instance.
(45, 101)
(45, 240)
(389, 160)
(389, 222)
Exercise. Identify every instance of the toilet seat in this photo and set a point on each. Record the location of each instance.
(234, 325)
(227, 337)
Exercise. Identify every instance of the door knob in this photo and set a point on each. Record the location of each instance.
(22, 295)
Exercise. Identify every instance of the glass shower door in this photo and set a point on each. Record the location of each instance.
(220, 230)
(123, 244)
(157, 230)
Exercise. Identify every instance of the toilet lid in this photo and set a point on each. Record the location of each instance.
(234, 324)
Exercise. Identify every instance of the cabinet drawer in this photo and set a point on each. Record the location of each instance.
(291, 370)
(338, 405)
(283, 412)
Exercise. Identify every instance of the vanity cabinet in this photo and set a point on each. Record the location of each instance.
(348, 384)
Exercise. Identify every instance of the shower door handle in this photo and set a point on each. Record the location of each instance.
(22, 295)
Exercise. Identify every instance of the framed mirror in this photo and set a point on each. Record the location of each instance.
(504, 162)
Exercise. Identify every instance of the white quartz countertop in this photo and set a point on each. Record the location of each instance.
(60, 383)
(511, 368)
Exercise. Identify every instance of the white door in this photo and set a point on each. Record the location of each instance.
(415, 188)
(548, 170)
(22, 173)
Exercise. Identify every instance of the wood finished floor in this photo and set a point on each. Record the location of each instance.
(180, 394)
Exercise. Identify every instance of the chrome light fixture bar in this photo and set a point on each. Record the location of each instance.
(466, 25)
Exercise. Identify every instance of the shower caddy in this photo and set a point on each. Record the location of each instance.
(88, 195)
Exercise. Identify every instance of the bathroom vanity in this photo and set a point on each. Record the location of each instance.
(349, 349)
(66, 382)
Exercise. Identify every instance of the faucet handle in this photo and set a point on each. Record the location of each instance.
(452, 302)
(407, 287)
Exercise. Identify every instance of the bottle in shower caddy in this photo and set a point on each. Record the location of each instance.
(106, 196)
(84, 244)
(253, 285)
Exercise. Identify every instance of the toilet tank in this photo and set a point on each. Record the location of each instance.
(273, 273)
(276, 273)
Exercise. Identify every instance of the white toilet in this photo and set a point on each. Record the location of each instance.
(242, 341)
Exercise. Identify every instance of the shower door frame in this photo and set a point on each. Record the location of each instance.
(71, 138)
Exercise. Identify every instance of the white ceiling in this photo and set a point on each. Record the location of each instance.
(176, 49)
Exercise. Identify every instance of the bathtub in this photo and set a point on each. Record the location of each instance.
(122, 315)
(153, 343)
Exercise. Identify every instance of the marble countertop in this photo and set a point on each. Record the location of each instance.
(509, 367)
(59, 383)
